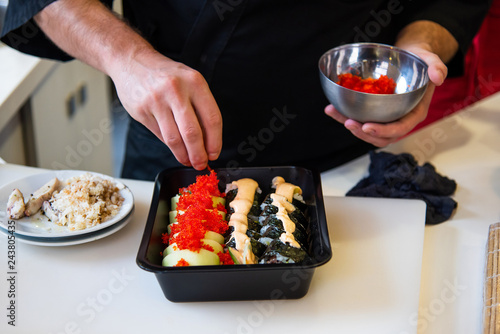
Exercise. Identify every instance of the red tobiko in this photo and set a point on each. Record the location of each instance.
(202, 191)
(165, 237)
(182, 263)
(382, 85)
(208, 219)
(225, 258)
(189, 235)
(198, 213)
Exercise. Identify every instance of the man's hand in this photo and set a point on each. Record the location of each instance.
(421, 38)
(175, 103)
(172, 100)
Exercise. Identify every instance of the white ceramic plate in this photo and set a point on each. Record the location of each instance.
(70, 241)
(38, 225)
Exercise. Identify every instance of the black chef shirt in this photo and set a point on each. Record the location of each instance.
(260, 59)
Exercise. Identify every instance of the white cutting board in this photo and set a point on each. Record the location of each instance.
(371, 284)
(373, 280)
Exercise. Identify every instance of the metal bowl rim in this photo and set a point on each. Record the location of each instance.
(375, 45)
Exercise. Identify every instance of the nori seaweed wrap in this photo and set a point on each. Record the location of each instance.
(268, 208)
(273, 228)
(292, 192)
(252, 224)
(299, 203)
(279, 252)
(258, 247)
(255, 209)
(267, 226)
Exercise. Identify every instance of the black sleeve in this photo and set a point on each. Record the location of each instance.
(22, 33)
(462, 18)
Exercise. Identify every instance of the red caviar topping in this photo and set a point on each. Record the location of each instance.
(206, 183)
(382, 85)
(189, 235)
(164, 238)
(199, 216)
(211, 219)
(221, 207)
(208, 247)
(186, 200)
(182, 263)
(202, 191)
(225, 258)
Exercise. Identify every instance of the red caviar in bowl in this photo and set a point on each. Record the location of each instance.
(382, 85)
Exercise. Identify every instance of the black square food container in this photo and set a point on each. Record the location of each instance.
(235, 282)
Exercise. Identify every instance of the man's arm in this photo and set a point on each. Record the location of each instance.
(436, 46)
(172, 100)
(431, 42)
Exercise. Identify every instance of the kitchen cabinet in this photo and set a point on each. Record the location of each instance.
(71, 119)
(12, 141)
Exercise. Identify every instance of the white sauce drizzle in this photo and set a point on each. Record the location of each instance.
(285, 189)
(288, 238)
(241, 205)
(284, 207)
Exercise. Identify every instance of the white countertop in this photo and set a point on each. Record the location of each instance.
(97, 287)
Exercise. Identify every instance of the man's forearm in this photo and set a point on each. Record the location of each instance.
(431, 36)
(89, 31)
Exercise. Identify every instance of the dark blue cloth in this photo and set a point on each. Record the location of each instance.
(400, 176)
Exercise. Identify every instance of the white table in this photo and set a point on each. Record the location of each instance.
(466, 148)
(97, 288)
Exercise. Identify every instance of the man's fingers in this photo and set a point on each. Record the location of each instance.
(395, 130)
(191, 136)
(210, 120)
(175, 103)
(334, 113)
(437, 71)
(170, 135)
(189, 130)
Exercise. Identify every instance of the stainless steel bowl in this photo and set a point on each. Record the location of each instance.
(373, 60)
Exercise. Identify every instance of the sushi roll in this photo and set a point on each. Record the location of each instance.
(282, 252)
(251, 241)
(291, 192)
(242, 198)
(281, 216)
(275, 226)
(247, 189)
(272, 203)
(244, 224)
(284, 225)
